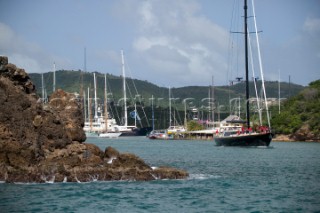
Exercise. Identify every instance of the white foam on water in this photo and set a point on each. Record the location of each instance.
(77, 180)
(51, 180)
(48, 179)
(94, 178)
(202, 176)
(65, 179)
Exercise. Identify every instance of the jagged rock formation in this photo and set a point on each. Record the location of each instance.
(40, 143)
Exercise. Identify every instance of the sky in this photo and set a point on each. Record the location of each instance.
(171, 43)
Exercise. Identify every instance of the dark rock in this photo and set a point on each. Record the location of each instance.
(111, 153)
(44, 142)
(69, 109)
(169, 173)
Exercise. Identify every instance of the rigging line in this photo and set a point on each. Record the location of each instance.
(115, 107)
(260, 64)
(230, 60)
(235, 40)
(139, 97)
(254, 78)
(230, 44)
(179, 120)
(132, 98)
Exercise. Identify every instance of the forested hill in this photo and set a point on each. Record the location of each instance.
(300, 115)
(70, 81)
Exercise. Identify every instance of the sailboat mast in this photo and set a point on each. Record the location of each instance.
(213, 101)
(246, 60)
(279, 93)
(89, 109)
(95, 97)
(170, 120)
(105, 102)
(152, 114)
(84, 106)
(124, 91)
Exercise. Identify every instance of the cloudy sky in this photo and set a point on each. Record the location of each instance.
(167, 42)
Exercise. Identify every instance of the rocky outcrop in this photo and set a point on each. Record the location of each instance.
(44, 142)
(304, 134)
(69, 109)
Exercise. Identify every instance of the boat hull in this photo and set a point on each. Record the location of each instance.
(136, 132)
(254, 139)
(110, 135)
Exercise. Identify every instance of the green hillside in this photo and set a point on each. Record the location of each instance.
(195, 96)
(300, 115)
(71, 80)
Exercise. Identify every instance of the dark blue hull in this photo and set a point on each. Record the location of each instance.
(137, 132)
(257, 139)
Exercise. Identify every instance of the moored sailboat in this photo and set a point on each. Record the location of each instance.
(125, 129)
(109, 127)
(100, 126)
(236, 133)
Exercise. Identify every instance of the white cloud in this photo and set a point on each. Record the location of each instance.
(179, 46)
(144, 43)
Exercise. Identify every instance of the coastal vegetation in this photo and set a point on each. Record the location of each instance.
(300, 115)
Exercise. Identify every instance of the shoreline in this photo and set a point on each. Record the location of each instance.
(286, 138)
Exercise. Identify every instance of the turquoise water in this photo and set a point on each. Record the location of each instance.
(282, 178)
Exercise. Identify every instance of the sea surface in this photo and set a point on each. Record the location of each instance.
(282, 178)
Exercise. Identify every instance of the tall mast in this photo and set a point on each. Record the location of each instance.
(209, 106)
(152, 114)
(95, 97)
(89, 109)
(170, 120)
(279, 92)
(213, 104)
(246, 59)
(124, 91)
(84, 106)
(54, 76)
(105, 102)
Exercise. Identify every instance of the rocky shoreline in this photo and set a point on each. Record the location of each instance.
(45, 142)
(293, 138)
(290, 138)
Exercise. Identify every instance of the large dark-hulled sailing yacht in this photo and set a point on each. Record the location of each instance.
(236, 133)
